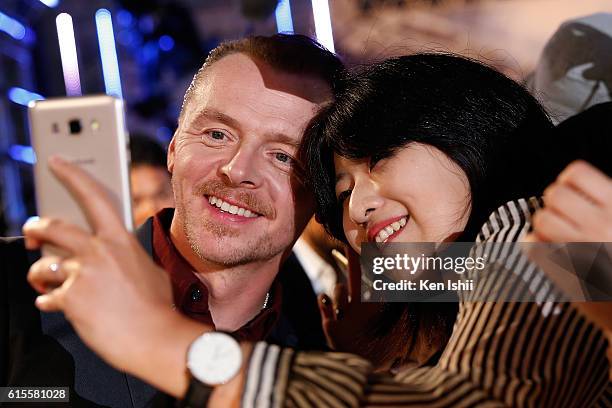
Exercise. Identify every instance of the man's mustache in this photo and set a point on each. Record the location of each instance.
(242, 198)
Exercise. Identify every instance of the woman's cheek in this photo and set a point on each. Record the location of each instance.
(353, 239)
(354, 234)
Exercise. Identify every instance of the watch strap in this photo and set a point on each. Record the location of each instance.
(197, 395)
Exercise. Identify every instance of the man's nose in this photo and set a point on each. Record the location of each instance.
(242, 168)
(364, 201)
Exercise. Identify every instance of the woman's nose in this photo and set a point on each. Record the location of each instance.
(364, 201)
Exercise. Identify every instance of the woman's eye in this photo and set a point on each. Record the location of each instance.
(377, 159)
(343, 196)
(373, 161)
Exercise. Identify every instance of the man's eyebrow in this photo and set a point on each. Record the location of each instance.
(217, 116)
(340, 176)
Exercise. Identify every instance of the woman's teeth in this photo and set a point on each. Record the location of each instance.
(390, 229)
(232, 209)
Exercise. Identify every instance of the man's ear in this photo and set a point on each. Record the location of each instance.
(171, 153)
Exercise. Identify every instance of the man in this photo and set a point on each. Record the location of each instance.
(149, 178)
(239, 208)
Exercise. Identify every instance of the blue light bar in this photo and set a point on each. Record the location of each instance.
(24, 154)
(322, 20)
(22, 96)
(68, 54)
(12, 27)
(284, 22)
(108, 53)
(50, 3)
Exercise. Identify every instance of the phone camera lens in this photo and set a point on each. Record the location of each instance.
(75, 126)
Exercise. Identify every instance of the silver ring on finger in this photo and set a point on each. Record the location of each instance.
(54, 267)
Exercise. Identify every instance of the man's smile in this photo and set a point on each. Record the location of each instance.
(228, 211)
(233, 208)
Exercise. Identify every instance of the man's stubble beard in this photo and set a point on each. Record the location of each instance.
(260, 249)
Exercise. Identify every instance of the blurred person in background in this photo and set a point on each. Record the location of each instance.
(150, 183)
(314, 251)
(575, 69)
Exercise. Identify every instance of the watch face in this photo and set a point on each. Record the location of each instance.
(214, 358)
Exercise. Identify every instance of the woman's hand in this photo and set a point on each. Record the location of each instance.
(118, 300)
(578, 207)
(349, 324)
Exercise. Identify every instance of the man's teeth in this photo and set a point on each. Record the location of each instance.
(390, 229)
(232, 209)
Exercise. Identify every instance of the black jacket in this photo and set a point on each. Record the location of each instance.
(42, 349)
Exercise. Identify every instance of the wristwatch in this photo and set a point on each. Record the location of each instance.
(213, 359)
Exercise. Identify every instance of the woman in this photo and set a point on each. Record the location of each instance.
(435, 144)
(440, 142)
(433, 141)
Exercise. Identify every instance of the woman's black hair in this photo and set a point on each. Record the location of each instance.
(488, 124)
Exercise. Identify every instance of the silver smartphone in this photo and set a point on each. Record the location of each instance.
(89, 131)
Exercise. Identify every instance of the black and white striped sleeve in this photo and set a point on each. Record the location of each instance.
(281, 377)
(317, 379)
(267, 376)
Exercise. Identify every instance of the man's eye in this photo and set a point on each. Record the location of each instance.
(216, 138)
(343, 196)
(283, 158)
(217, 135)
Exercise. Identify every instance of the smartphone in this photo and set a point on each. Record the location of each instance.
(89, 131)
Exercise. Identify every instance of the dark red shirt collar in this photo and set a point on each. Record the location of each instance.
(191, 295)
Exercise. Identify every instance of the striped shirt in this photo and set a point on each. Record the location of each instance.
(499, 355)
